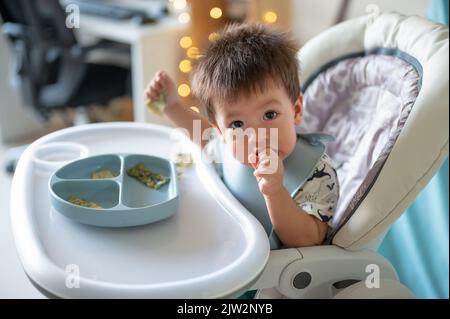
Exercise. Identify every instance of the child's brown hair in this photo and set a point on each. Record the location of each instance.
(243, 60)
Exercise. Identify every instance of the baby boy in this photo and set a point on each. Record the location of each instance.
(249, 79)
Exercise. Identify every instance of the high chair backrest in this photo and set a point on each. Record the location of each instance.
(379, 84)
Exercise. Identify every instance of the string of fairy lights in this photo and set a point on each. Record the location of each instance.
(180, 7)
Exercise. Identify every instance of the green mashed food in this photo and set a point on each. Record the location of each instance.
(157, 107)
(147, 177)
(82, 202)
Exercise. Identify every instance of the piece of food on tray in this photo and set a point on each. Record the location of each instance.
(83, 202)
(183, 161)
(104, 173)
(147, 176)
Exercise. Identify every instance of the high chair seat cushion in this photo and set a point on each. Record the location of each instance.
(375, 94)
(380, 85)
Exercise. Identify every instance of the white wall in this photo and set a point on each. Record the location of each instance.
(310, 17)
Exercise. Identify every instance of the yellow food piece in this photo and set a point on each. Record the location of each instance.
(157, 107)
(82, 202)
(102, 174)
(183, 161)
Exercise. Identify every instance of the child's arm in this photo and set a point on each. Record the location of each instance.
(178, 114)
(294, 226)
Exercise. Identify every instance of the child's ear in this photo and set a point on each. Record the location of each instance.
(298, 110)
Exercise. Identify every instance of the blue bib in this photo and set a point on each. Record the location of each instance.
(298, 166)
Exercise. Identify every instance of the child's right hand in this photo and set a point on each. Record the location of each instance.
(161, 82)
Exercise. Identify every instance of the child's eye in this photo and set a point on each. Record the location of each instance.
(236, 124)
(271, 115)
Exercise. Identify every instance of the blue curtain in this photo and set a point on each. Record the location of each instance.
(438, 11)
(417, 244)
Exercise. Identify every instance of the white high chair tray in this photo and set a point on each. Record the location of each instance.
(210, 248)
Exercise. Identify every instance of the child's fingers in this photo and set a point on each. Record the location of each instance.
(157, 86)
(262, 166)
(268, 154)
(262, 177)
(257, 173)
(265, 149)
(166, 81)
(156, 81)
(266, 167)
(158, 77)
(154, 89)
(148, 87)
(147, 94)
(253, 160)
(159, 74)
(161, 82)
(153, 96)
(161, 78)
(265, 158)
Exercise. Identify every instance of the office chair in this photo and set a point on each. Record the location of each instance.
(51, 66)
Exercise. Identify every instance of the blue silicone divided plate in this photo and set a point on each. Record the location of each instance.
(124, 200)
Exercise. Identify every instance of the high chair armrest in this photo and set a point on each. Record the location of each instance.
(322, 271)
(277, 263)
(388, 289)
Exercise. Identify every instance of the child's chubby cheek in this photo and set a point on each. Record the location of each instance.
(240, 152)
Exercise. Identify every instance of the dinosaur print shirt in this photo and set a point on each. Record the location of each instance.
(319, 194)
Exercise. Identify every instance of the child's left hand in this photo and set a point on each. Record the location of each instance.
(269, 171)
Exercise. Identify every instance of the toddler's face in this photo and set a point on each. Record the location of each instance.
(246, 125)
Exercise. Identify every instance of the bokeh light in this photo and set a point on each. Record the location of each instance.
(186, 42)
(213, 36)
(270, 17)
(184, 90)
(179, 4)
(185, 66)
(184, 17)
(215, 13)
(193, 52)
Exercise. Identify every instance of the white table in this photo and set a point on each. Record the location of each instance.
(212, 246)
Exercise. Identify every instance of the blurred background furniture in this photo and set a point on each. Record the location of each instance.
(50, 66)
(153, 46)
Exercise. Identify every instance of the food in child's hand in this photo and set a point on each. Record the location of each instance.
(102, 174)
(82, 202)
(158, 106)
(147, 177)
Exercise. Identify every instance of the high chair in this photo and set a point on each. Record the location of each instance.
(379, 84)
